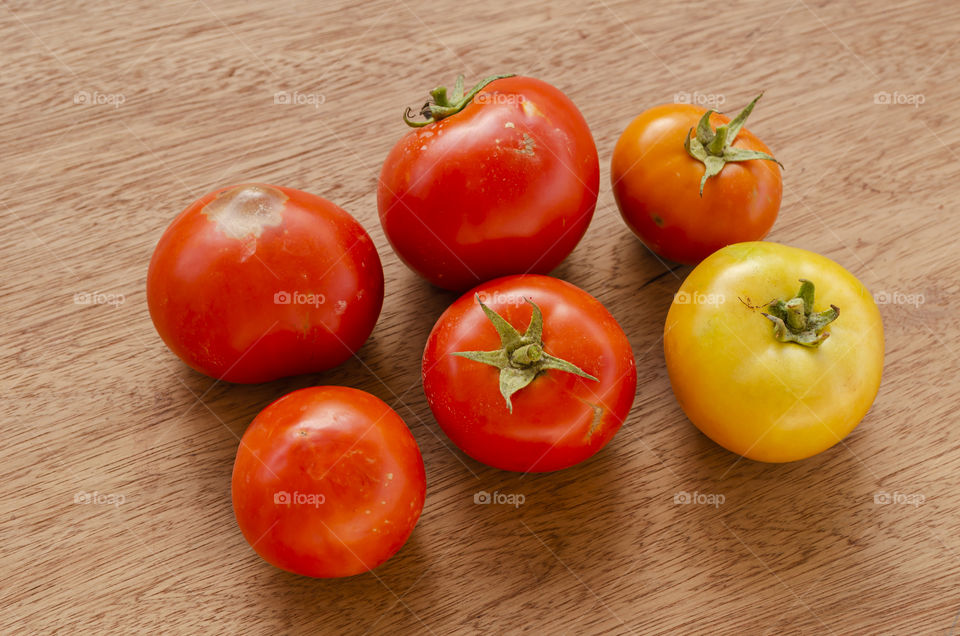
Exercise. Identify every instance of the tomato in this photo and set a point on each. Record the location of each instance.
(255, 282)
(503, 180)
(328, 482)
(666, 196)
(529, 373)
(766, 371)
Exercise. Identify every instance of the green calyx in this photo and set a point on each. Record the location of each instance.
(520, 358)
(794, 319)
(442, 105)
(714, 147)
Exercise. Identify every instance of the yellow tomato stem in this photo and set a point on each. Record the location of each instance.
(796, 314)
(795, 321)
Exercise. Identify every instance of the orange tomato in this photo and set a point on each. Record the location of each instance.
(657, 183)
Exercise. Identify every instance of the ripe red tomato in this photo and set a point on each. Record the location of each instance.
(328, 482)
(525, 393)
(503, 180)
(667, 201)
(256, 282)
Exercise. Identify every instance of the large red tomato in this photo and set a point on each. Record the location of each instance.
(328, 482)
(256, 282)
(689, 181)
(502, 180)
(529, 373)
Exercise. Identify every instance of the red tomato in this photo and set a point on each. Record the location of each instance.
(507, 185)
(657, 184)
(328, 482)
(561, 417)
(256, 282)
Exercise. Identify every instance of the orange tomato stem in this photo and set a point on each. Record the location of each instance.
(714, 148)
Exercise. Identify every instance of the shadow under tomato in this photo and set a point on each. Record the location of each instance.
(816, 508)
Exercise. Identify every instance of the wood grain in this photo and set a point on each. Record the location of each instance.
(181, 100)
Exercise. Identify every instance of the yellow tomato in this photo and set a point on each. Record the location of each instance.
(766, 371)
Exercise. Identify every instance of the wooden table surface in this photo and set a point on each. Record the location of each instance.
(116, 115)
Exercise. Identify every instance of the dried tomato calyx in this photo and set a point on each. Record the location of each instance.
(795, 321)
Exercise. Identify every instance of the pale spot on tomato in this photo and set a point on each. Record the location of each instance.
(242, 212)
(528, 145)
(509, 124)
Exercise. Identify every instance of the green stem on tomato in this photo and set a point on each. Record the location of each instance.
(521, 357)
(714, 147)
(441, 105)
(795, 321)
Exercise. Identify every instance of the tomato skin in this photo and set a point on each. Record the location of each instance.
(767, 400)
(213, 290)
(559, 419)
(345, 446)
(508, 185)
(657, 187)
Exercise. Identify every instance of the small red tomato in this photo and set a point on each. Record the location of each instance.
(529, 373)
(328, 482)
(257, 282)
(502, 180)
(686, 189)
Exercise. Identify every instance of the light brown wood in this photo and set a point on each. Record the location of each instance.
(94, 402)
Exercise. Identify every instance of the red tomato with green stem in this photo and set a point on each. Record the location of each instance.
(255, 282)
(529, 373)
(689, 181)
(328, 482)
(500, 180)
